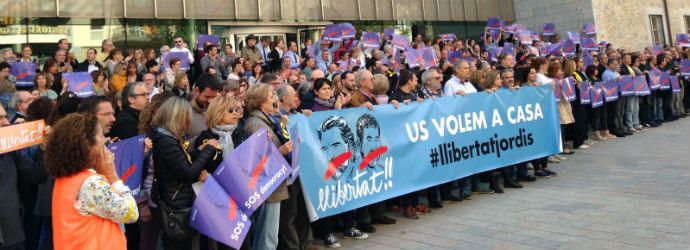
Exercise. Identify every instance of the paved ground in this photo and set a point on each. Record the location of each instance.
(628, 193)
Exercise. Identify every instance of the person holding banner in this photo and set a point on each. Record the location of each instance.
(181, 46)
(565, 113)
(581, 112)
(612, 107)
(42, 85)
(631, 110)
(89, 199)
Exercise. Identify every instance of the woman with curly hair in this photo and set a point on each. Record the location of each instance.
(89, 199)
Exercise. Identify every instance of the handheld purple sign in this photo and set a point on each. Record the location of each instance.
(387, 33)
(129, 161)
(575, 37)
(24, 72)
(611, 90)
(568, 88)
(589, 44)
(597, 94)
(683, 39)
(81, 83)
(685, 67)
(203, 39)
(641, 87)
(675, 85)
(585, 95)
(333, 32)
(654, 79)
(525, 37)
(370, 40)
(568, 47)
(626, 86)
(510, 29)
(549, 29)
(414, 57)
(665, 81)
(588, 60)
(495, 23)
(535, 36)
(554, 49)
(447, 37)
(589, 29)
(183, 56)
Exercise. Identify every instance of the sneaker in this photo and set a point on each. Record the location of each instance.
(551, 173)
(331, 241)
(583, 146)
(553, 159)
(354, 233)
(542, 174)
(423, 209)
(411, 213)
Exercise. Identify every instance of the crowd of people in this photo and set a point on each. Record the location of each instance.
(66, 194)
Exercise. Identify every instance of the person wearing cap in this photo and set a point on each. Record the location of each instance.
(251, 52)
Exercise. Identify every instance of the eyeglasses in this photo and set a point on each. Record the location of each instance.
(235, 110)
(142, 94)
(106, 114)
(275, 83)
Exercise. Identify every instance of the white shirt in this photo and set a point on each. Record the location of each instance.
(542, 79)
(454, 84)
(189, 54)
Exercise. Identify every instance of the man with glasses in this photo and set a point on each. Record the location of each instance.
(151, 84)
(432, 84)
(181, 47)
(102, 108)
(135, 97)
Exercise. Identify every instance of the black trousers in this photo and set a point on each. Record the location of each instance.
(540, 164)
(581, 126)
(599, 119)
(295, 231)
(612, 116)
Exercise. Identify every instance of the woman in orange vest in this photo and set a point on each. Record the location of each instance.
(89, 200)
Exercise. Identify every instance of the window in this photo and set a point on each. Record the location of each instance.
(657, 28)
(687, 24)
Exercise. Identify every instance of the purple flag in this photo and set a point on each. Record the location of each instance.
(554, 49)
(215, 214)
(429, 57)
(589, 29)
(585, 95)
(575, 37)
(675, 85)
(683, 40)
(641, 87)
(525, 37)
(414, 57)
(333, 32)
(183, 56)
(202, 39)
(568, 47)
(387, 33)
(597, 94)
(370, 39)
(626, 86)
(589, 44)
(665, 80)
(348, 31)
(24, 72)
(549, 29)
(685, 67)
(81, 83)
(657, 49)
(654, 79)
(253, 171)
(588, 60)
(611, 90)
(510, 29)
(400, 42)
(568, 88)
(447, 37)
(129, 161)
(454, 55)
(494, 53)
(495, 23)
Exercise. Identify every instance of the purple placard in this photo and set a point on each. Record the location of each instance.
(183, 56)
(588, 60)
(525, 37)
(400, 42)
(495, 34)
(554, 49)
(495, 23)
(568, 88)
(24, 72)
(429, 57)
(215, 214)
(657, 49)
(683, 40)
(575, 37)
(568, 47)
(558, 91)
(626, 86)
(675, 85)
(310, 51)
(543, 50)
(253, 171)
(533, 50)
(654, 79)
(597, 94)
(611, 90)
(348, 31)
(202, 39)
(454, 55)
(535, 36)
(665, 81)
(589, 44)
(589, 29)
(414, 57)
(333, 32)
(296, 139)
(685, 67)
(370, 40)
(585, 95)
(387, 33)
(494, 53)
(641, 87)
(447, 37)
(549, 29)
(509, 49)
(510, 29)
(129, 161)
(81, 83)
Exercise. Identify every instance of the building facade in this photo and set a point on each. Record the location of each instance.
(153, 23)
(627, 24)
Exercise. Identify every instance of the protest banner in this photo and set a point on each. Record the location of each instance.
(183, 56)
(557, 88)
(641, 87)
(448, 37)
(400, 42)
(22, 135)
(454, 56)
(626, 85)
(589, 44)
(588, 60)
(549, 29)
(253, 171)
(597, 94)
(683, 40)
(24, 72)
(203, 39)
(675, 84)
(611, 90)
(585, 95)
(654, 79)
(356, 157)
(414, 57)
(495, 23)
(429, 57)
(129, 162)
(665, 81)
(348, 31)
(685, 67)
(370, 40)
(81, 83)
(554, 49)
(510, 29)
(568, 88)
(388, 33)
(575, 37)
(589, 29)
(525, 37)
(568, 47)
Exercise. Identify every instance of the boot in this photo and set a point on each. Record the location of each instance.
(493, 184)
(598, 136)
(508, 182)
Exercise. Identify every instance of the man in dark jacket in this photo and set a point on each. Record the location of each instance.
(134, 100)
(90, 64)
(15, 168)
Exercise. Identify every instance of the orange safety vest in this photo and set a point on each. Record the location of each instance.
(71, 230)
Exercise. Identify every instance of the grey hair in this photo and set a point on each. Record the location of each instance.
(268, 78)
(459, 63)
(128, 91)
(427, 75)
(506, 71)
(359, 76)
(16, 99)
(282, 91)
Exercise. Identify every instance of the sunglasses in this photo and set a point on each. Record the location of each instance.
(235, 110)
(142, 94)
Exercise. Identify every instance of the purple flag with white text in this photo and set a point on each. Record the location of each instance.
(182, 55)
(414, 57)
(549, 29)
(24, 72)
(429, 57)
(585, 95)
(611, 90)
(129, 161)
(626, 86)
(81, 83)
(641, 87)
(454, 55)
(495, 23)
(370, 40)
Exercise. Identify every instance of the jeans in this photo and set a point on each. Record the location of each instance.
(657, 106)
(266, 226)
(295, 232)
(632, 112)
(676, 104)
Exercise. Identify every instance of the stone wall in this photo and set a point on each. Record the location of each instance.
(568, 15)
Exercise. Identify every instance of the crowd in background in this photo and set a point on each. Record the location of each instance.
(194, 117)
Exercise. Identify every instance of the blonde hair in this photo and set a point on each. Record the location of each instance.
(257, 95)
(569, 67)
(381, 84)
(178, 78)
(118, 68)
(175, 115)
(490, 78)
(217, 108)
